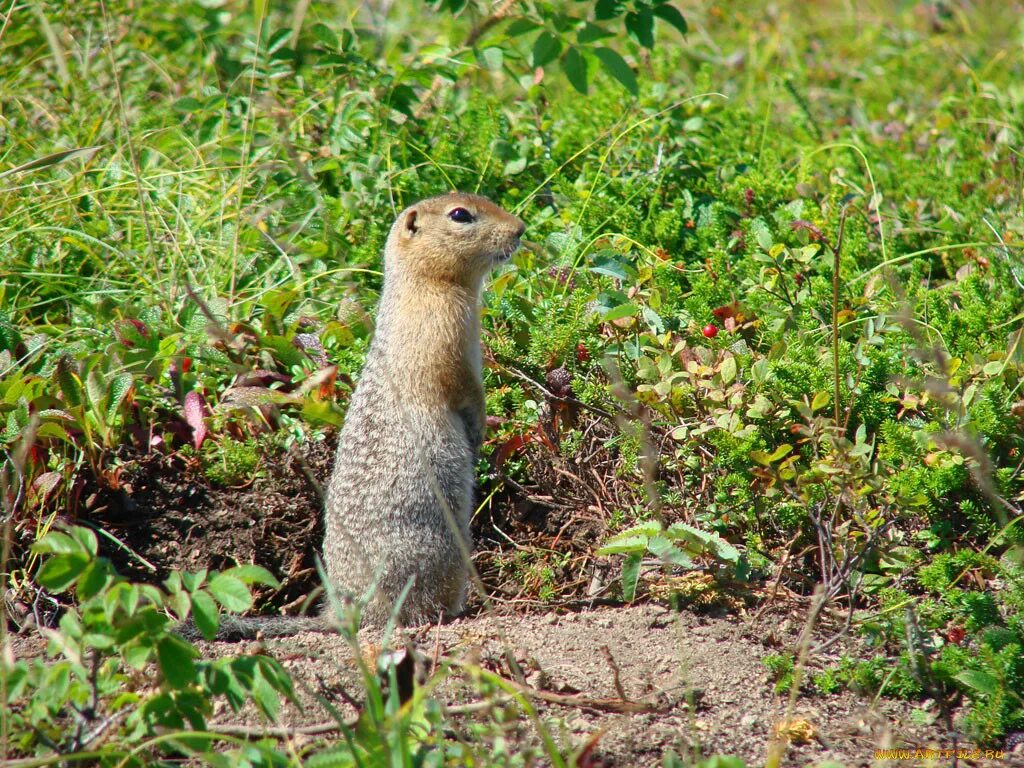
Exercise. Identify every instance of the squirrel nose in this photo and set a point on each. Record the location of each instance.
(520, 228)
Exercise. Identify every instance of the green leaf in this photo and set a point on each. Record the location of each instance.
(252, 574)
(326, 35)
(623, 310)
(662, 548)
(187, 104)
(56, 542)
(820, 401)
(671, 14)
(230, 592)
(640, 26)
(491, 58)
(647, 528)
(68, 381)
(521, 26)
(761, 457)
(545, 49)
(616, 67)
(205, 614)
(192, 581)
(653, 319)
(980, 681)
(94, 578)
(728, 370)
(591, 33)
(86, 538)
(621, 544)
(607, 9)
(515, 167)
(630, 576)
(992, 368)
(60, 571)
(177, 661)
(265, 697)
(762, 234)
(575, 68)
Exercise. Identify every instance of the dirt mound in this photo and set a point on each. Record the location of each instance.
(163, 515)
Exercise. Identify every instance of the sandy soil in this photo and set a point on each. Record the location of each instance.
(664, 660)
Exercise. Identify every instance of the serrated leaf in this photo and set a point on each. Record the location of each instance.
(120, 387)
(176, 659)
(68, 381)
(60, 571)
(253, 574)
(96, 391)
(622, 545)
(617, 68)
(575, 67)
(325, 35)
(56, 542)
(86, 538)
(653, 319)
(251, 397)
(187, 105)
(661, 547)
(264, 696)
(230, 592)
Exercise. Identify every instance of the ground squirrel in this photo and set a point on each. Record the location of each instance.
(401, 493)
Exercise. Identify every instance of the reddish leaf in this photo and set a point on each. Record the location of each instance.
(816, 235)
(45, 484)
(195, 405)
(511, 446)
(262, 378)
(726, 311)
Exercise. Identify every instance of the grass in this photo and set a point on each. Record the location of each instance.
(183, 193)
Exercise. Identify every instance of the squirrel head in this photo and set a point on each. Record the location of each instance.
(455, 237)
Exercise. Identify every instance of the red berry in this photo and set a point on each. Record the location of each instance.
(710, 330)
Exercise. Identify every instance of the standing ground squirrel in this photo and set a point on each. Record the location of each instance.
(401, 494)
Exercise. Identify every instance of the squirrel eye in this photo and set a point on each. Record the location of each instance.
(461, 215)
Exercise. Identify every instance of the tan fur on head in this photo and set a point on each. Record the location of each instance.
(454, 238)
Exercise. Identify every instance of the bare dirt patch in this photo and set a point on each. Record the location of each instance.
(701, 679)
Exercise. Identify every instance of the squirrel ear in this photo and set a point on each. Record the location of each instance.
(409, 227)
